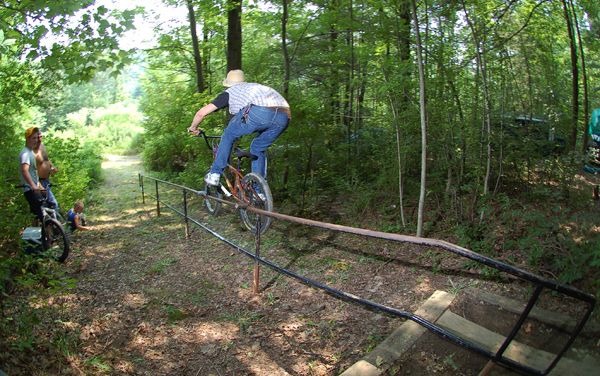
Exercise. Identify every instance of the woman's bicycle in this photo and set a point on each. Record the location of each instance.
(55, 240)
(251, 189)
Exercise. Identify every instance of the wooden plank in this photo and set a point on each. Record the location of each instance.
(518, 352)
(557, 320)
(403, 338)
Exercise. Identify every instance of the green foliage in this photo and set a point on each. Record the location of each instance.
(22, 314)
(102, 91)
(168, 107)
(243, 319)
(104, 130)
(19, 85)
(544, 238)
(92, 40)
(134, 145)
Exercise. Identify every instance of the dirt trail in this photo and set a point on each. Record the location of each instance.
(151, 302)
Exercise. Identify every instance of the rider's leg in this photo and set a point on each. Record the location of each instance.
(49, 196)
(264, 139)
(236, 128)
(35, 206)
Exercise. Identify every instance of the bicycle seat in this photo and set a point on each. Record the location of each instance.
(239, 153)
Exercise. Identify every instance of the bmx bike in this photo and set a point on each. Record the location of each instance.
(55, 240)
(251, 189)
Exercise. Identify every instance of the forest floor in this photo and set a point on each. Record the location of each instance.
(149, 301)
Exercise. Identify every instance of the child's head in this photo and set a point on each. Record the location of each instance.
(79, 207)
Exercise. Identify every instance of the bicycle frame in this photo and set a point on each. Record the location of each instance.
(232, 190)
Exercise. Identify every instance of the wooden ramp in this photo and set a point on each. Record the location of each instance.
(435, 310)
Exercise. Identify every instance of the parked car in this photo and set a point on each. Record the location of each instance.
(593, 148)
(537, 133)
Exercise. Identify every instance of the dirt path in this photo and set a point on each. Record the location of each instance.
(150, 302)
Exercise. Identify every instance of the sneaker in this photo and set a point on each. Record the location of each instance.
(262, 196)
(212, 179)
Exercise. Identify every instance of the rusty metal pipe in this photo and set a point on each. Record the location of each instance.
(439, 244)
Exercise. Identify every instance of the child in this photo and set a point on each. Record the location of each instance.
(73, 218)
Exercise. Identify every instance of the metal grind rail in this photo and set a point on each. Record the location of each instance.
(494, 357)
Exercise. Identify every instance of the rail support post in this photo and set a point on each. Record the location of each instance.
(257, 254)
(157, 199)
(187, 227)
(142, 187)
(488, 367)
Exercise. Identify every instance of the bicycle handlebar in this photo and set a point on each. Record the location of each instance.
(50, 185)
(202, 134)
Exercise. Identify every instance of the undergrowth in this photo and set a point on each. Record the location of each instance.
(541, 234)
(539, 228)
(25, 310)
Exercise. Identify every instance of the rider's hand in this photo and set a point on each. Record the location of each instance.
(194, 129)
(199, 117)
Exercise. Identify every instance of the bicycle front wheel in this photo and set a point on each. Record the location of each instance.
(55, 240)
(213, 207)
(256, 192)
(63, 221)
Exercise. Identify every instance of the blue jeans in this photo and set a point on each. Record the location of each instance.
(49, 196)
(268, 125)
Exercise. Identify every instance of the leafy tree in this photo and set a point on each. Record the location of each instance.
(91, 43)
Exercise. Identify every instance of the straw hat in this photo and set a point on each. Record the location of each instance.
(234, 77)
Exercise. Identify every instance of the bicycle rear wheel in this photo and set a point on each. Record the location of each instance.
(258, 194)
(55, 240)
(212, 207)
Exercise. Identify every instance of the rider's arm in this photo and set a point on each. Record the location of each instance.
(200, 115)
(28, 179)
(80, 227)
(222, 100)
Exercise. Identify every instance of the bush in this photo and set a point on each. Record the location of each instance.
(79, 168)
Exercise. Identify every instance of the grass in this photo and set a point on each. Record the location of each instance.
(175, 314)
(243, 319)
(455, 288)
(374, 340)
(161, 266)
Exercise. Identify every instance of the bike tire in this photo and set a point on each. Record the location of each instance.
(249, 218)
(212, 207)
(55, 241)
(63, 221)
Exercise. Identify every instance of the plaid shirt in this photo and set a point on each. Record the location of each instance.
(240, 96)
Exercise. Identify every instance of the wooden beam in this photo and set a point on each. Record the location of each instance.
(556, 320)
(391, 349)
(518, 352)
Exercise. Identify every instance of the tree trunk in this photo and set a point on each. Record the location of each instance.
(402, 35)
(197, 56)
(487, 128)
(286, 56)
(234, 35)
(205, 62)
(575, 69)
(586, 109)
(423, 123)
